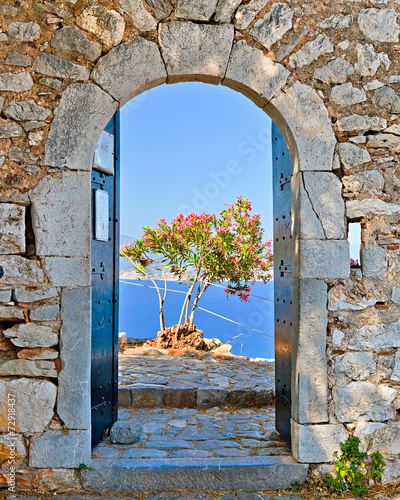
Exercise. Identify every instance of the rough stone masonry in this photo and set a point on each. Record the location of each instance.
(328, 73)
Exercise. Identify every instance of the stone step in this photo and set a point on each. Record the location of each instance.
(217, 474)
(176, 397)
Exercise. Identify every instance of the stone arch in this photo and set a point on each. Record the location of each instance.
(207, 53)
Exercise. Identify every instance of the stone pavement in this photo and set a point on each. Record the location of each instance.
(202, 381)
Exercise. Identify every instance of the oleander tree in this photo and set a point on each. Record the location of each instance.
(201, 250)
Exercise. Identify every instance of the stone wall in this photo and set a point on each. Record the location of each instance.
(327, 73)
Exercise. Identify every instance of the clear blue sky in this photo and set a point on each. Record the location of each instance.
(194, 147)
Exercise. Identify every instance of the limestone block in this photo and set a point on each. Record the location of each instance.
(347, 95)
(125, 432)
(34, 404)
(25, 32)
(376, 337)
(73, 401)
(201, 10)
(21, 155)
(82, 113)
(253, 74)
(50, 82)
(379, 24)
(208, 398)
(5, 294)
(31, 335)
(306, 225)
(179, 398)
(370, 207)
(129, 69)
(354, 365)
(310, 382)
(147, 397)
(363, 401)
(45, 313)
(107, 25)
(54, 233)
(396, 295)
(369, 181)
(311, 51)
(55, 449)
(288, 48)
(352, 155)
(246, 13)
(38, 353)
(124, 396)
(56, 480)
(33, 295)
(389, 141)
(316, 443)
(392, 472)
(28, 368)
(72, 39)
(376, 436)
(321, 259)
(358, 123)
(14, 58)
(225, 10)
(142, 20)
(68, 271)
(10, 313)
(273, 25)
(160, 8)
(8, 10)
(394, 129)
(195, 51)
(335, 71)
(10, 129)
(368, 61)
(303, 119)
(353, 300)
(373, 262)
(26, 110)
(12, 223)
(16, 270)
(50, 65)
(19, 450)
(324, 191)
(335, 21)
(387, 97)
(16, 82)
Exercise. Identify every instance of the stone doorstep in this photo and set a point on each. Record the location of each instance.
(219, 474)
(160, 396)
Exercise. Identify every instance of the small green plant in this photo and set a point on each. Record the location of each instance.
(81, 468)
(353, 469)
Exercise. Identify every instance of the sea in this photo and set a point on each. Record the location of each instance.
(138, 315)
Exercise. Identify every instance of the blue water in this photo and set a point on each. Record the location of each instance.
(139, 315)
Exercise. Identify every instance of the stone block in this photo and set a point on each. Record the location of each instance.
(15, 58)
(354, 365)
(371, 180)
(54, 233)
(379, 24)
(348, 298)
(129, 69)
(56, 480)
(34, 404)
(356, 209)
(360, 123)
(388, 141)
(124, 396)
(347, 95)
(374, 337)
(368, 61)
(34, 294)
(386, 97)
(15, 445)
(195, 11)
(225, 10)
(303, 119)
(195, 52)
(275, 23)
(376, 436)
(160, 8)
(311, 51)
(321, 259)
(309, 372)
(396, 295)
(55, 449)
(64, 271)
(253, 74)
(16, 82)
(50, 65)
(336, 71)
(363, 401)
(125, 433)
(72, 39)
(241, 398)
(142, 20)
(5, 294)
(10, 129)
(179, 398)
(31, 335)
(73, 401)
(264, 397)
(106, 24)
(16, 270)
(11, 313)
(373, 262)
(316, 443)
(83, 111)
(147, 397)
(45, 313)
(306, 225)
(26, 110)
(38, 353)
(25, 32)
(352, 156)
(208, 398)
(28, 368)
